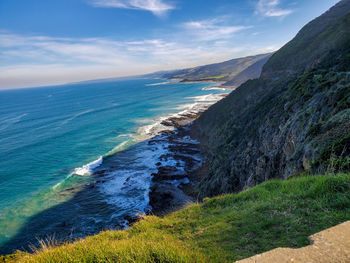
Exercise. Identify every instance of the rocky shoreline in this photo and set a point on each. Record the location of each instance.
(178, 168)
(173, 186)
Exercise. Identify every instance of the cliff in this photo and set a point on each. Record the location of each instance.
(295, 118)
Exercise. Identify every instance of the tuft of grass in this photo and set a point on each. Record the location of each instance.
(222, 229)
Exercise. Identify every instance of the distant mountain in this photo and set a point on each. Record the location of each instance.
(252, 72)
(236, 70)
(224, 71)
(294, 119)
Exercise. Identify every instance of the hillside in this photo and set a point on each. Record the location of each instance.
(294, 119)
(222, 229)
(252, 72)
(223, 71)
(326, 35)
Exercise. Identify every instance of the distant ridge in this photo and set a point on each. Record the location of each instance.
(224, 71)
(237, 70)
(252, 72)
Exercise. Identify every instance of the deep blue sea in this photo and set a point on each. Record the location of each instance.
(52, 138)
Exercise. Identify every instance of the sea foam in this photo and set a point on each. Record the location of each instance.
(87, 169)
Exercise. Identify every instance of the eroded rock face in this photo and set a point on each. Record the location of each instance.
(287, 121)
(286, 142)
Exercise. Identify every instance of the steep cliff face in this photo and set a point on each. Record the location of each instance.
(312, 44)
(295, 118)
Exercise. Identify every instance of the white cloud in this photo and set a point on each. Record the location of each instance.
(270, 8)
(48, 49)
(157, 7)
(212, 29)
(43, 60)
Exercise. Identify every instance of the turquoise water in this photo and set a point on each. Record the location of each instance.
(52, 138)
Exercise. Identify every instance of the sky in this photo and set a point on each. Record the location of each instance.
(52, 42)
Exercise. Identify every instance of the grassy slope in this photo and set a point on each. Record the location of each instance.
(222, 229)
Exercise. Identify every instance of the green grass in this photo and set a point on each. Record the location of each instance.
(222, 229)
(214, 77)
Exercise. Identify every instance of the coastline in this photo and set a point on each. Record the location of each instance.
(173, 185)
(178, 165)
(175, 169)
(178, 169)
(220, 85)
(153, 165)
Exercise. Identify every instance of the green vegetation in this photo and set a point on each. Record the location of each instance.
(222, 229)
(327, 33)
(215, 77)
(295, 118)
(208, 78)
(336, 156)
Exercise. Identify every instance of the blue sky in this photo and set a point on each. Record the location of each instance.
(49, 42)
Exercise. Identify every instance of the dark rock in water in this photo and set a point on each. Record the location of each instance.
(164, 157)
(165, 197)
(167, 169)
(167, 123)
(100, 173)
(131, 219)
(168, 173)
(166, 193)
(100, 181)
(64, 224)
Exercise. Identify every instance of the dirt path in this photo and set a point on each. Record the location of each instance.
(329, 246)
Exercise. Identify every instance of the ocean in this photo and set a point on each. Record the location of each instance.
(55, 140)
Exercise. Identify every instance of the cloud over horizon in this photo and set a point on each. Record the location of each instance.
(70, 41)
(24, 59)
(157, 7)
